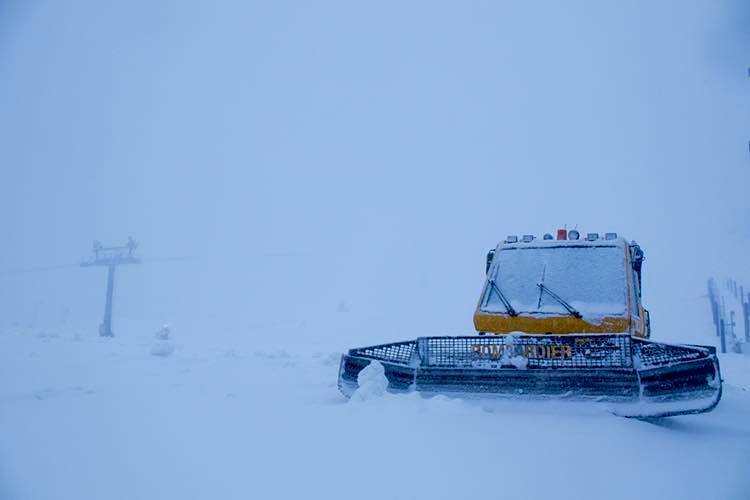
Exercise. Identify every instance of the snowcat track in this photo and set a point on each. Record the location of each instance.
(650, 379)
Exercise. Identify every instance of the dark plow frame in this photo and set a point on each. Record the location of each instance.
(652, 379)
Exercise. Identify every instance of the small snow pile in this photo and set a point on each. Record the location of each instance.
(162, 346)
(372, 382)
(162, 333)
(162, 349)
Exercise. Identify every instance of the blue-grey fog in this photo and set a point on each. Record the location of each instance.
(333, 173)
(310, 153)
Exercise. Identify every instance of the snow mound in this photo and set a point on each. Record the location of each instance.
(372, 382)
(162, 348)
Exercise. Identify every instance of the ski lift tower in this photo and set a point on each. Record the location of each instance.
(111, 257)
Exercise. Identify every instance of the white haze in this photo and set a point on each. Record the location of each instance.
(309, 158)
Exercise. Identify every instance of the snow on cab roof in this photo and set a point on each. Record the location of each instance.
(590, 240)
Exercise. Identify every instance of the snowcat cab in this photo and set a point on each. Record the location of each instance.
(563, 286)
(558, 317)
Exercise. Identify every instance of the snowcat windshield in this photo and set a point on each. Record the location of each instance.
(590, 278)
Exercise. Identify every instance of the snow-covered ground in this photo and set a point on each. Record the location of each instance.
(91, 418)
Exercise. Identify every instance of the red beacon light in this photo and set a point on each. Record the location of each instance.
(562, 234)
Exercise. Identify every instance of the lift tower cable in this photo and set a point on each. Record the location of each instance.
(111, 257)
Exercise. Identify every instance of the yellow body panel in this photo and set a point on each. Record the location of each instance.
(502, 323)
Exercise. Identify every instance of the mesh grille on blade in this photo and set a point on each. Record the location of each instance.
(399, 352)
(521, 351)
(656, 354)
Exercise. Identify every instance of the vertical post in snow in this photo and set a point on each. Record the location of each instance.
(105, 329)
(111, 257)
(714, 304)
(723, 339)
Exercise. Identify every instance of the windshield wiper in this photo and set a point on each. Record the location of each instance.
(503, 299)
(572, 310)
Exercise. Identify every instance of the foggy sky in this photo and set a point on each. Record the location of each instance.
(316, 156)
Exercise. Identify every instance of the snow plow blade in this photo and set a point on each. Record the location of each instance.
(643, 379)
